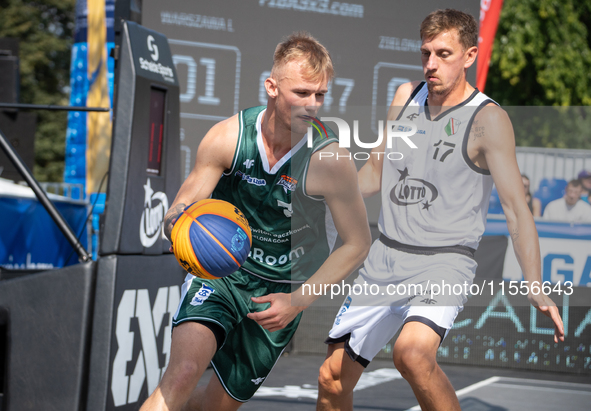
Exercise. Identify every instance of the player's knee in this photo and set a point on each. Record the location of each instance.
(329, 379)
(414, 362)
(183, 376)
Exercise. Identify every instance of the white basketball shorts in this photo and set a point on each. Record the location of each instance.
(395, 287)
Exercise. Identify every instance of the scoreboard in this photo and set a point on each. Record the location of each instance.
(223, 52)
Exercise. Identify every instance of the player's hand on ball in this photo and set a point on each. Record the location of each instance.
(278, 315)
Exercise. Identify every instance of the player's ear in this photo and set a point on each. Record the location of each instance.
(470, 54)
(271, 87)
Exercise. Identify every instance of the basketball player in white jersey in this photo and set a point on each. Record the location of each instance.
(434, 205)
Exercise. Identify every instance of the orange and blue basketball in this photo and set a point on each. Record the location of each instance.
(211, 239)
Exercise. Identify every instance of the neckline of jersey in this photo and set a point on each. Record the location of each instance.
(449, 110)
(263, 152)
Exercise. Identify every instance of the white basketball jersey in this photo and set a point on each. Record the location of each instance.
(435, 196)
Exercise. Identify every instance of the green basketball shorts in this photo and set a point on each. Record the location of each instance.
(248, 352)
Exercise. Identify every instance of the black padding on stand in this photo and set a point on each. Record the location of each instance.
(48, 321)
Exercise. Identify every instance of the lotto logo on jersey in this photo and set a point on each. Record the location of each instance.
(410, 191)
(288, 183)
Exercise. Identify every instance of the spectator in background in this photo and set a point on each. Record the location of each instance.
(534, 204)
(585, 177)
(570, 207)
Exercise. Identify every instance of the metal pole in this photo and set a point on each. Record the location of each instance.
(43, 199)
(51, 107)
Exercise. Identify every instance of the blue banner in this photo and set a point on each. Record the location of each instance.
(31, 240)
(76, 135)
(546, 229)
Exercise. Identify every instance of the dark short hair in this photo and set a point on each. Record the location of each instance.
(575, 182)
(449, 19)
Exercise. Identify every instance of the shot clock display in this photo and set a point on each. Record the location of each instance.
(157, 106)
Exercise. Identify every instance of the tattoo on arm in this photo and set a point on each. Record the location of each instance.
(171, 217)
(476, 130)
(515, 235)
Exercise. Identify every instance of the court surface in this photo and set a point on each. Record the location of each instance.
(292, 386)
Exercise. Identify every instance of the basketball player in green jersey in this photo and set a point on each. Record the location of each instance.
(262, 161)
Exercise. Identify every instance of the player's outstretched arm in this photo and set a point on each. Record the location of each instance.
(336, 181)
(214, 155)
(370, 175)
(492, 133)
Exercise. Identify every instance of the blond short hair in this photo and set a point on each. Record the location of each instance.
(449, 19)
(317, 63)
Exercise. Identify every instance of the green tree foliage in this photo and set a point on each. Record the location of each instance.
(45, 30)
(542, 57)
(542, 54)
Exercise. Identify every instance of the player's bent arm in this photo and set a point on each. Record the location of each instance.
(214, 156)
(370, 175)
(497, 147)
(334, 178)
(336, 181)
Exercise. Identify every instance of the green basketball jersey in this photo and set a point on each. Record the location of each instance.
(292, 232)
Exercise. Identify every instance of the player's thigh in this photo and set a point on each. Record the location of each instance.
(364, 329)
(248, 355)
(218, 304)
(192, 348)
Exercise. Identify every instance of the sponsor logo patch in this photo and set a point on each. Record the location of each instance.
(287, 182)
(155, 208)
(203, 294)
(257, 381)
(343, 309)
(251, 180)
